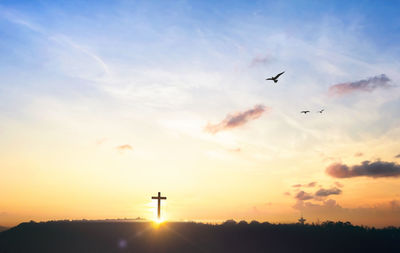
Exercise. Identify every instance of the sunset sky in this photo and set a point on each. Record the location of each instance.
(105, 103)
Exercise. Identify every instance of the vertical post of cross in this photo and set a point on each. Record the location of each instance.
(158, 198)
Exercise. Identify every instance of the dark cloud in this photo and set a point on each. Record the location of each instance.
(123, 148)
(302, 195)
(397, 156)
(326, 192)
(319, 195)
(358, 154)
(366, 85)
(237, 119)
(366, 168)
(311, 184)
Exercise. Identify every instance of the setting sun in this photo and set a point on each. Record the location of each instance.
(159, 221)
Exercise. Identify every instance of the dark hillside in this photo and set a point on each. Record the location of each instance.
(196, 237)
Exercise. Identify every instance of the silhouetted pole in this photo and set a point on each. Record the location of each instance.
(302, 220)
(159, 198)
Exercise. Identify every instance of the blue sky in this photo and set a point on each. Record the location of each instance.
(182, 32)
(81, 79)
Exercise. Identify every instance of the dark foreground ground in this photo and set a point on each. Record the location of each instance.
(76, 237)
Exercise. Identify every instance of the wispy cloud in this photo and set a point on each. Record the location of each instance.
(101, 141)
(123, 148)
(68, 42)
(235, 149)
(358, 154)
(260, 60)
(327, 204)
(366, 85)
(311, 184)
(17, 18)
(397, 156)
(237, 119)
(338, 184)
(366, 168)
(61, 39)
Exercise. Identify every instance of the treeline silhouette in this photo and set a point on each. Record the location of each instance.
(86, 236)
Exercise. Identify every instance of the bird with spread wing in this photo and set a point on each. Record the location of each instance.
(275, 78)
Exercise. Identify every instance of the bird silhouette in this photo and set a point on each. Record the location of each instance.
(275, 78)
(305, 112)
(320, 111)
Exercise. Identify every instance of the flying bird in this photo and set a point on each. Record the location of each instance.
(320, 111)
(305, 112)
(275, 78)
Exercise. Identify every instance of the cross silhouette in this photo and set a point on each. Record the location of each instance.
(159, 198)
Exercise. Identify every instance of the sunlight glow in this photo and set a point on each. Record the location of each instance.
(158, 222)
(152, 210)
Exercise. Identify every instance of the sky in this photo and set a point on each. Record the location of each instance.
(103, 104)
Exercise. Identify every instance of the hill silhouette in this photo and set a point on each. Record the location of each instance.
(66, 236)
(3, 228)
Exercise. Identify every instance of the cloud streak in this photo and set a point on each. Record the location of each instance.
(311, 184)
(60, 39)
(338, 184)
(366, 85)
(237, 119)
(375, 169)
(260, 60)
(123, 148)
